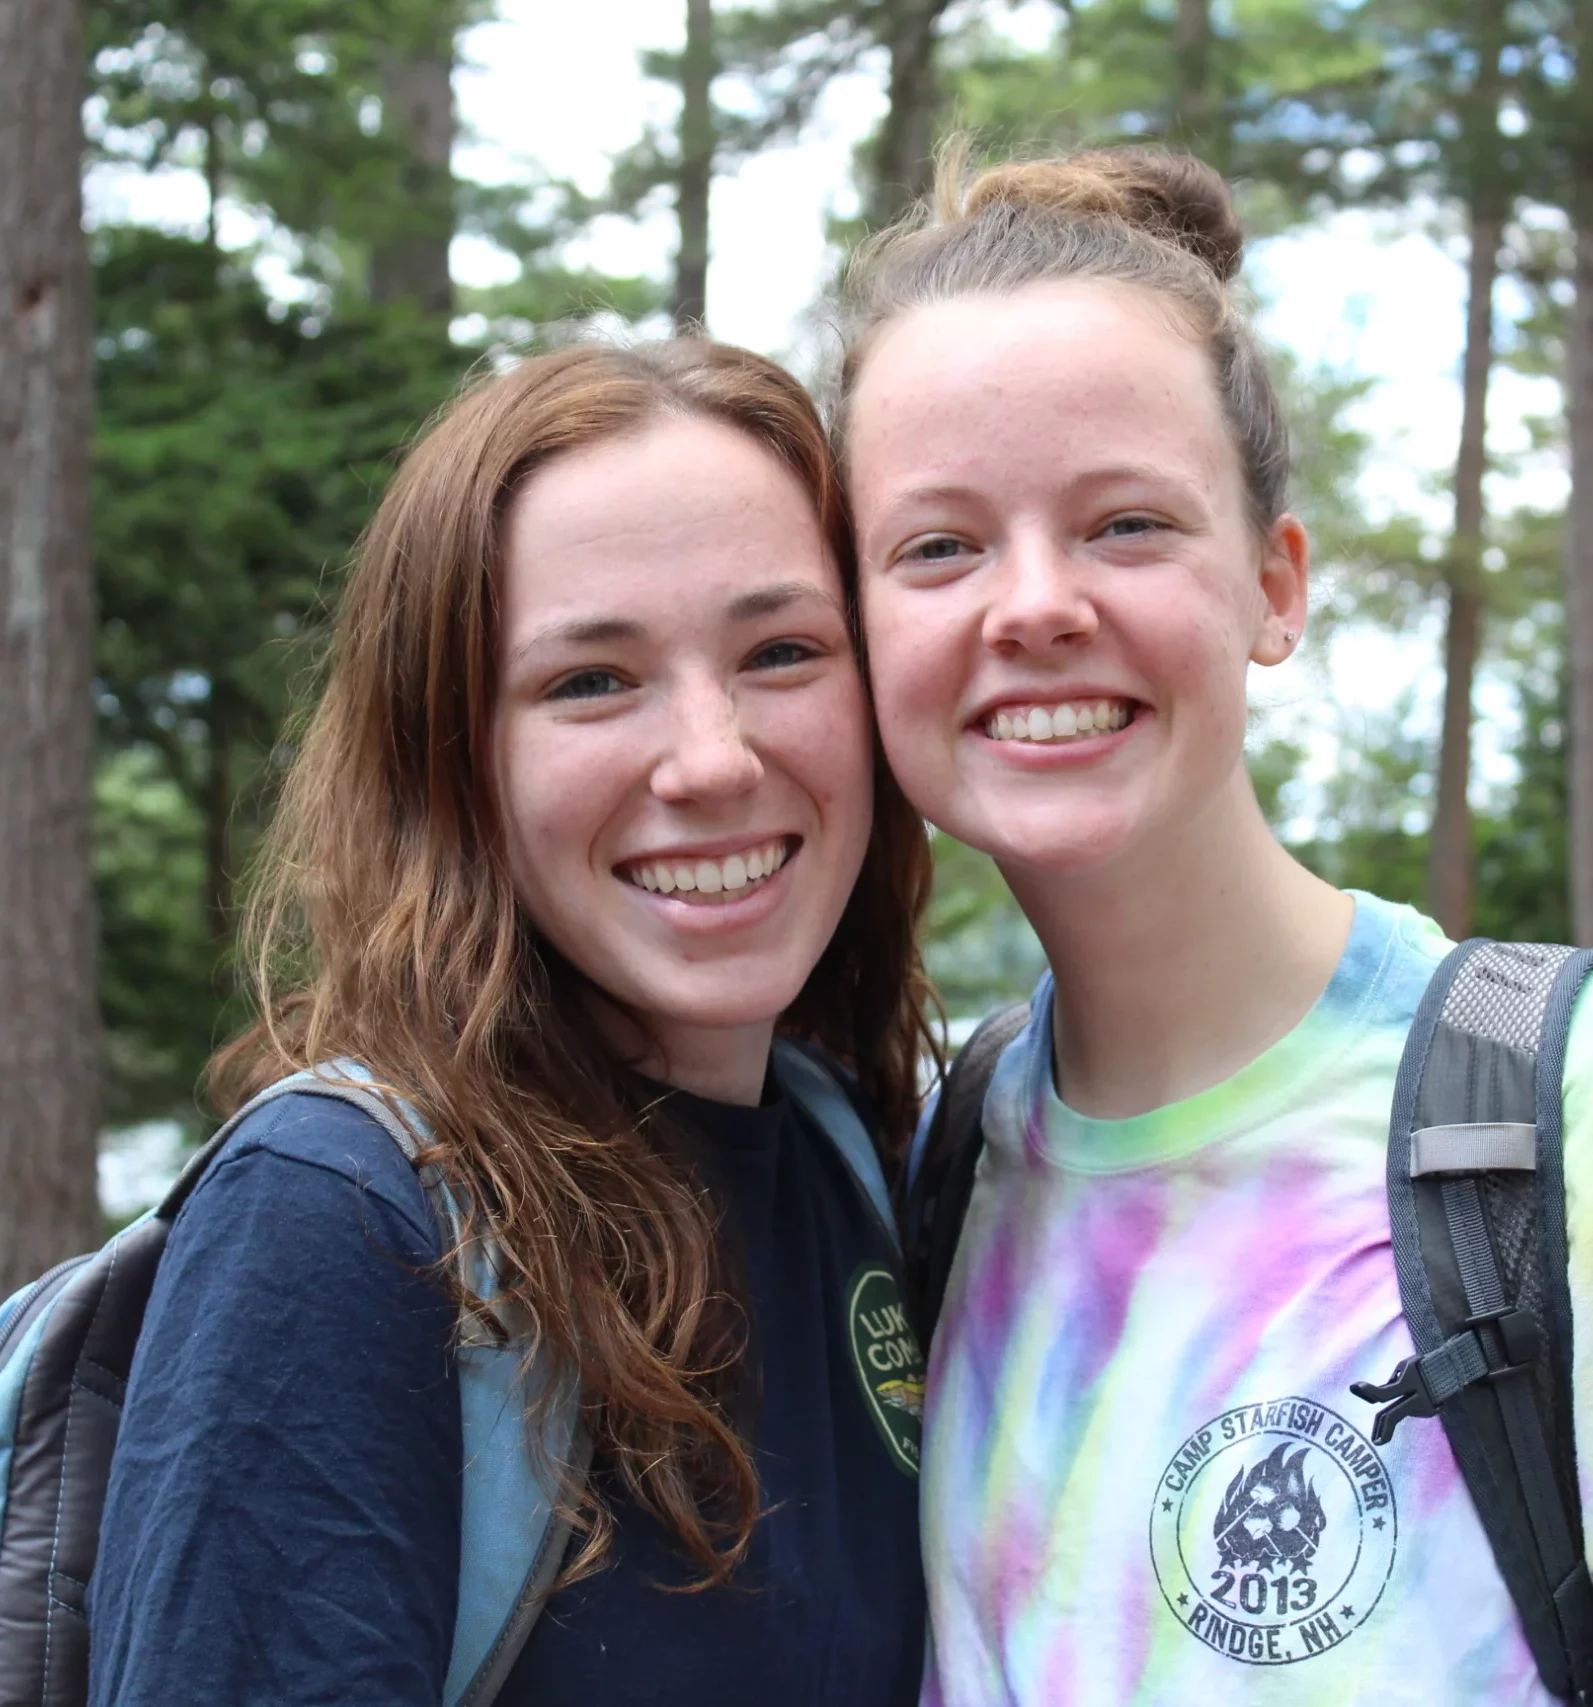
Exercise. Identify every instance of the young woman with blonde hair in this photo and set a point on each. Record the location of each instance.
(590, 809)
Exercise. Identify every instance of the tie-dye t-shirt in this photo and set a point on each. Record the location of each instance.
(1145, 1478)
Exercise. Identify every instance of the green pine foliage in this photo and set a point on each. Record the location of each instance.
(244, 434)
(243, 438)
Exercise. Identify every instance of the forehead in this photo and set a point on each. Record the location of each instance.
(1054, 372)
(680, 505)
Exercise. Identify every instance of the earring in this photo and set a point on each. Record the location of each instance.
(1289, 636)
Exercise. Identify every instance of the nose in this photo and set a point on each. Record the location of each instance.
(1040, 601)
(706, 755)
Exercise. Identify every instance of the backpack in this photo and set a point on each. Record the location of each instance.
(1476, 1199)
(66, 1350)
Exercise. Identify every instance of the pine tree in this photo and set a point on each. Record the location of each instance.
(49, 1038)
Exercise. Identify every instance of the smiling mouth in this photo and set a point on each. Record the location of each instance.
(712, 882)
(1072, 720)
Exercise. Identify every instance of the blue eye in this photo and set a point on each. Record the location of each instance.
(938, 550)
(1131, 527)
(781, 655)
(587, 684)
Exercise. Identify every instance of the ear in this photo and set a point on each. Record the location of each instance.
(1285, 588)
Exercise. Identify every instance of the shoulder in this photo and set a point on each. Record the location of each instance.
(311, 1156)
(283, 1515)
(1388, 962)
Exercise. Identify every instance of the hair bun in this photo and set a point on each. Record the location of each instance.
(1175, 196)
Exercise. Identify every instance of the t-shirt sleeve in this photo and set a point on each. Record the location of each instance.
(1577, 1095)
(282, 1523)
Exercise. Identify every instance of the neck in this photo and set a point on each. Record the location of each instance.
(1177, 967)
(727, 1065)
(721, 1063)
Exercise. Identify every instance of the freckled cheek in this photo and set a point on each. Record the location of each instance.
(554, 796)
(1201, 660)
(823, 746)
(914, 668)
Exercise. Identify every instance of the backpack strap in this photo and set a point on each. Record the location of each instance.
(1476, 1196)
(808, 1078)
(941, 1180)
(512, 1536)
(512, 1539)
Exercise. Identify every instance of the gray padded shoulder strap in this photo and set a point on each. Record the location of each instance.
(1476, 1196)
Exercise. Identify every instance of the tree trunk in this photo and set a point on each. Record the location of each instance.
(696, 167)
(218, 809)
(1579, 558)
(1192, 76)
(49, 1012)
(411, 262)
(1450, 868)
(904, 163)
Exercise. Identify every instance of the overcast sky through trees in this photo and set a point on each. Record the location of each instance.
(1364, 292)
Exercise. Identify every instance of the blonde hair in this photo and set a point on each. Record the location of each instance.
(1160, 222)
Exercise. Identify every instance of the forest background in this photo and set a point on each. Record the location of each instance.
(306, 220)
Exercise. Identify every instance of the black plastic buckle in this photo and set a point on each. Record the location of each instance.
(1518, 1333)
(1410, 1398)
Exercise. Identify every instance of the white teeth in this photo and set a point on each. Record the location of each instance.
(1057, 723)
(711, 876)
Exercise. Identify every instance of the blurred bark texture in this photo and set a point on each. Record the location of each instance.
(696, 167)
(1449, 876)
(1579, 557)
(904, 153)
(1450, 865)
(1192, 74)
(49, 1027)
(411, 265)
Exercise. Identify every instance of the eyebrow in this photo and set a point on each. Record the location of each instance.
(944, 491)
(765, 601)
(607, 630)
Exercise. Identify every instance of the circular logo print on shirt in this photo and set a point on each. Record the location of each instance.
(1272, 1533)
(889, 1364)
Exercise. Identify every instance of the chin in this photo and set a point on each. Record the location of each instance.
(720, 1009)
(1063, 845)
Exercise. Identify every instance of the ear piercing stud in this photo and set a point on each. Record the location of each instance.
(1289, 636)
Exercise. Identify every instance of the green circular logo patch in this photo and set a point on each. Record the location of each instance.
(890, 1366)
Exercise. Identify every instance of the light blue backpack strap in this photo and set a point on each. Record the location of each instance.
(815, 1091)
(512, 1541)
(915, 1154)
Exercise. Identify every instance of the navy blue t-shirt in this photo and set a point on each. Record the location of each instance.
(283, 1518)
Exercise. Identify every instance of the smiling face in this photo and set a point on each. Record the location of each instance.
(1061, 589)
(682, 748)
